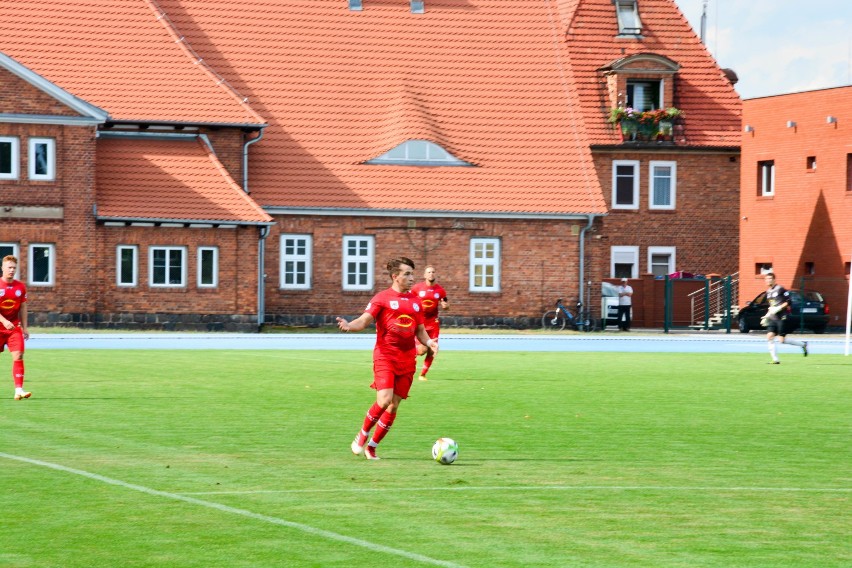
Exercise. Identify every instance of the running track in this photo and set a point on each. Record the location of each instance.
(651, 342)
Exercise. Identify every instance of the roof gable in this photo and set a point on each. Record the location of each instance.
(711, 106)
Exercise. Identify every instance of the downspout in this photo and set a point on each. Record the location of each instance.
(261, 276)
(246, 144)
(591, 218)
(261, 241)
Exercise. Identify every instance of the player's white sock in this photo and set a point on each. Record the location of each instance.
(772, 349)
(19, 390)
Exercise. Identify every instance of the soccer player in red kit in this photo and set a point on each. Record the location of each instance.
(399, 319)
(433, 297)
(13, 321)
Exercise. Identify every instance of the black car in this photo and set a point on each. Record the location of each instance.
(812, 313)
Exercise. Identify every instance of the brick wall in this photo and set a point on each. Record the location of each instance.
(806, 222)
(706, 183)
(538, 259)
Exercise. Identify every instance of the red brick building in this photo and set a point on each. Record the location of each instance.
(796, 202)
(228, 164)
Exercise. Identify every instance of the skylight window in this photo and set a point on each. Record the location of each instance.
(627, 12)
(418, 153)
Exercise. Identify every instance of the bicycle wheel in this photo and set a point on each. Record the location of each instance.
(553, 320)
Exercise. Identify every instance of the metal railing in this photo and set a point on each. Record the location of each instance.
(716, 301)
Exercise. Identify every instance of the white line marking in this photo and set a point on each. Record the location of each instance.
(545, 488)
(242, 512)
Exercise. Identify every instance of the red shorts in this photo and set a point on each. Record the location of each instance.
(388, 375)
(433, 330)
(14, 338)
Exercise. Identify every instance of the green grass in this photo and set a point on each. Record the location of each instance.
(241, 458)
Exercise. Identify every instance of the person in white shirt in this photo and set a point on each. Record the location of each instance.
(625, 292)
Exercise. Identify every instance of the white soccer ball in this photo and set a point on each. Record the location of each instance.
(445, 451)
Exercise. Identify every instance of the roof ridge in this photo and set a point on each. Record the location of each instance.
(180, 39)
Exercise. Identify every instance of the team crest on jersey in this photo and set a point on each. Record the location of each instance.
(416, 307)
(3, 292)
(17, 292)
(394, 305)
(422, 293)
(437, 295)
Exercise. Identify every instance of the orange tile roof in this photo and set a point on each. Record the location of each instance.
(486, 79)
(168, 180)
(712, 109)
(120, 56)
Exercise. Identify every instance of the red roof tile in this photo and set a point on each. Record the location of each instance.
(712, 108)
(168, 180)
(486, 79)
(120, 56)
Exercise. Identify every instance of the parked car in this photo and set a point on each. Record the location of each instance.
(809, 311)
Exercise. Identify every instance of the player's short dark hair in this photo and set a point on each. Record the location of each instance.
(395, 263)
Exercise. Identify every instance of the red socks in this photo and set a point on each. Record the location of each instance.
(385, 422)
(18, 373)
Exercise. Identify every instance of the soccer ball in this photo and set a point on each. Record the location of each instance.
(445, 451)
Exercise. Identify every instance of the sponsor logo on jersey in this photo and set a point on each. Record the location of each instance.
(404, 321)
(8, 304)
(428, 303)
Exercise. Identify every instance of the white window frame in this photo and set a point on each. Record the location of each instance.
(118, 258)
(169, 249)
(296, 258)
(652, 179)
(16, 249)
(367, 260)
(50, 143)
(620, 252)
(484, 263)
(51, 268)
(767, 182)
(635, 164)
(15, 157)
(670, 251)
(418, 152)
(200, 265)
(627, 12)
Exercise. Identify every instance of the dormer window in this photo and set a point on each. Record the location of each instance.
(418, 153)
(644, 94)
(627, 12)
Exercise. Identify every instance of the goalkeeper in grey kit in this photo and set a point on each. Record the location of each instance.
(775, 320)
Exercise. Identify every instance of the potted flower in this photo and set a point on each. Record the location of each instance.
(666, 122)
(627, 119)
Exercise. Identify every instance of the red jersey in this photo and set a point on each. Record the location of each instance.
(430, 296)
(397, 316)
(12, 295)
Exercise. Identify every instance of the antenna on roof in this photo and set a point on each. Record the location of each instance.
(704, 21)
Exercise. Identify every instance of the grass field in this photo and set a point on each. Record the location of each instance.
(241, 458)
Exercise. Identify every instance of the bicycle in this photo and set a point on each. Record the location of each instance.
(557, 319)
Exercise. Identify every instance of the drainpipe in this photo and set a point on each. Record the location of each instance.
(246, 144)
(261, 241)
(261, 277)
(591, 221)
